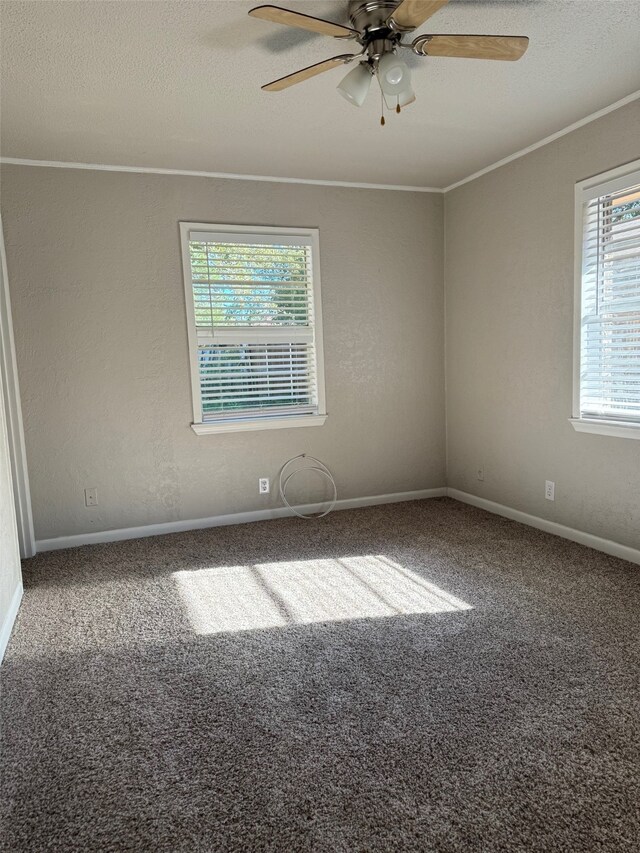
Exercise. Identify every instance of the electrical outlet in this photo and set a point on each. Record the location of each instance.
(550, 490)
(480, 473)
(263, 486)
(91, 497)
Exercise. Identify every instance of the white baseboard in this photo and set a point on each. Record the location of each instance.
(101, 536)
(9, 619)
(588, 539)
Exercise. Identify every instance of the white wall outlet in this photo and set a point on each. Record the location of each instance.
(91, 497)
(263, 486)
(480, 473)
(549, 490)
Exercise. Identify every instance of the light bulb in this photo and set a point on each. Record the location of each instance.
(393, 74)
(356, 84)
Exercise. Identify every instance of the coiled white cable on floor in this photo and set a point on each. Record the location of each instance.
(322, 468)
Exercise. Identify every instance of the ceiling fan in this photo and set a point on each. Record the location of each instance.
(379, 26)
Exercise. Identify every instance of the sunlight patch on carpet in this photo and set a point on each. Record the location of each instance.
(271, 595)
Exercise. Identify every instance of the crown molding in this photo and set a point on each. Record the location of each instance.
(577, 124)
(227, 176)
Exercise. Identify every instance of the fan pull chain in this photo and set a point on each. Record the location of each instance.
(398, 105)
(382, 121)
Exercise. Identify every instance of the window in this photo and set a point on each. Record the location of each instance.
(254, 319)
(607, 336)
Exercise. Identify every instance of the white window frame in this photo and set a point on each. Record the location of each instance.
(585, 191)
(199, 426)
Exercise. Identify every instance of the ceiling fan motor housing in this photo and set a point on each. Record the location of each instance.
(371, 20)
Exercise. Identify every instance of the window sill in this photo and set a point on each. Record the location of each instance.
(259, 423)
(618, 429)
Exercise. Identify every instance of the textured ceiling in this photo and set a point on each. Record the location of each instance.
(177, 85)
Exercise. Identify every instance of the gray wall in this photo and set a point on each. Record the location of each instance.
(96, 286)
(509, 338)
(99, 317)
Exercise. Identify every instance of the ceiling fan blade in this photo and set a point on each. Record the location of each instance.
(412, 13)
(507, 48)
(306, 73)
(305, 22)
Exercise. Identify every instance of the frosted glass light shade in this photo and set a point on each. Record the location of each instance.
(406, 97)
(393, 74)
(355, 86)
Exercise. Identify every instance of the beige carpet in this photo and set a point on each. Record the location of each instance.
(414, 677)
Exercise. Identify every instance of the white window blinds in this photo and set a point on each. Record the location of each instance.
(255, 324)
(610, 301)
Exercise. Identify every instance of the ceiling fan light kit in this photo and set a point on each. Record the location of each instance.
(379, 26)
(355, 86)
